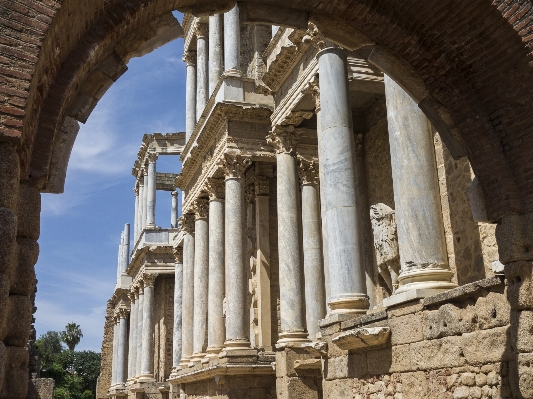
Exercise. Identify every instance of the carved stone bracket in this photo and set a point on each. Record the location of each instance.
(284, 139)
(215, 188)
(189, 58)
(149, 279)
(178, 254)
(308, 172)
(201, 208)
(186, 223)
(235, 165)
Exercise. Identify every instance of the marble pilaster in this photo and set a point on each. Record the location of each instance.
(187, 225)
(234, 251)
(215, 317)
(202, 74)
(201, 278)
(215, 50)
(178, 296)
(139, 328)
(232, 41)
(190, 93)
(421, 238)
(174, 210)
(315, 296)
(151, 194)
(292, 302)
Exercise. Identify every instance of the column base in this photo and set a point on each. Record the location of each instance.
(237, 344)
(213, 352)
(425, 279)
(146, 378)
(292, 337)
(184, 362)
(355, 304)
(196, 358)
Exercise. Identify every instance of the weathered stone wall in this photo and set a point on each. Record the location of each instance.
(163, 326)
(229, 387)
(41, 388)
(104, 380)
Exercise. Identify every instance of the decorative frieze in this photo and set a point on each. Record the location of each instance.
(235, 165)
(284, 139)
(201, 208)
(215, 188)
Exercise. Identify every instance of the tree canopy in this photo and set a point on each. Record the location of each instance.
(72, 335)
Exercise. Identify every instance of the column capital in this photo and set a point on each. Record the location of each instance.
(284, 139)
(215, 188)
(235, 165)
(313, 88)
(178, 254)
(122, 313)
(315, 37)
(131, 295)
(140, 286)
(307, 172)
(186, 223)
(149, 279)
(189, 58)
(152, 156)
(201, 30)
(201, 208)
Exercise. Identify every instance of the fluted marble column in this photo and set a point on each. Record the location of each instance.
(292, 302)
(201, 278)
(215, 50)
(235, 249)
(122, 346)
(189, 57)
(151, 195)
(421, 238)
(315, 296)
(131, 338)
(187, 225)
(346, 257)
(232, 41)
(216, 329)
(139, 328)
(174, 210)
(147, 356)
(178, 296)
(202, 74)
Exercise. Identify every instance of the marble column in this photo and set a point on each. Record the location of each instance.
(201, 278)
(346, 253)
(147, 351)
(292, 302)
(178, 292)
(174, 210)
(141, 207)
(215, 50)
(202, 74)
(232, 41)
(421, 238)
(145, 197)
(122, 346)
(189, 57)
(126, 259)
(315, 296)
(235, 251)
(139, 328)
(216, 329)
(187, 314)
(114, 360)
(136, 215)
(131, 337)
(151, 194)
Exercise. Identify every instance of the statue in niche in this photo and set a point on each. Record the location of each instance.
(386, 244)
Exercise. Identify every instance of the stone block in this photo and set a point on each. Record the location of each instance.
(492, 311)
(519, 277)
(448, 320)
(514, 235)
(2, 362)
(15, 382)
(363, 338)
(23, 279)
(285, 361)
(29, 212)
(522, 330)
(415, 385)
(337, 389)
(9, 175)
(405, 309)
(296, 388)
(379, 361)
(8, 236)
(524, 376)
(401, 359)
(437, 353)
(406, 329)
(4, 305)
(19, 320)
(353, 365)
(487, 346)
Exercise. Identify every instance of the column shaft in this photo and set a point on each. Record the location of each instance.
(215, 50)
(115, 354)
(132, 339)
(202, 75)
(122, 348)
(147, 336)
(145, 197)
(174, 210)
(178, 303)
(151, 195)
(344, 227)
(190, 94)
(140, 208)
(188, 299)
(232, 40)
(421, 239)
(136, 219)
(139, 329)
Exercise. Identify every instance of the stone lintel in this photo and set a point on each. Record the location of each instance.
(165, 181)
(363, 338)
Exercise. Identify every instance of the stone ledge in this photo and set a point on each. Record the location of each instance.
(366, 319)
(225, 369)
(462, 292)
(363, 338)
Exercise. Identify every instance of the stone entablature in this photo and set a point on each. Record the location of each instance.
(159, 143)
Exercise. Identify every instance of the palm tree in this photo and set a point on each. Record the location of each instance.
(72, 335)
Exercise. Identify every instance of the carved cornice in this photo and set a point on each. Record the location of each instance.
(201, 30)
(189, 58)
(186, 223)
(201, 208)
(215, 188)
(178, 254)
(284, 139)
(307, 172)
(149, 279)
(234, 166)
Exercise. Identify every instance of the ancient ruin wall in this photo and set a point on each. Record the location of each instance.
(104, 380)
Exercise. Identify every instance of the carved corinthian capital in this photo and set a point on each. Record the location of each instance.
(201, 208)
(284, 139)
(149, 279)
(308, 172)
(122, 313)
(186, 223)
(314, 36)
(151, 157)
(201, 30)
(215, 188)
(189, 58)
(235, 165)
(178, 254)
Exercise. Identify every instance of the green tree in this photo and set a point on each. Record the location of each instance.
(72, 335)
(48, 345)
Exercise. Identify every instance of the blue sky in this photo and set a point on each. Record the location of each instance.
(80, 229)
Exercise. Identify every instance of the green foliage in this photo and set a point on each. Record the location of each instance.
(48, 345)
(72, 335)
(75, 373)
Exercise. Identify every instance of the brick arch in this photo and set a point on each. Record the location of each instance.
(472, 57)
